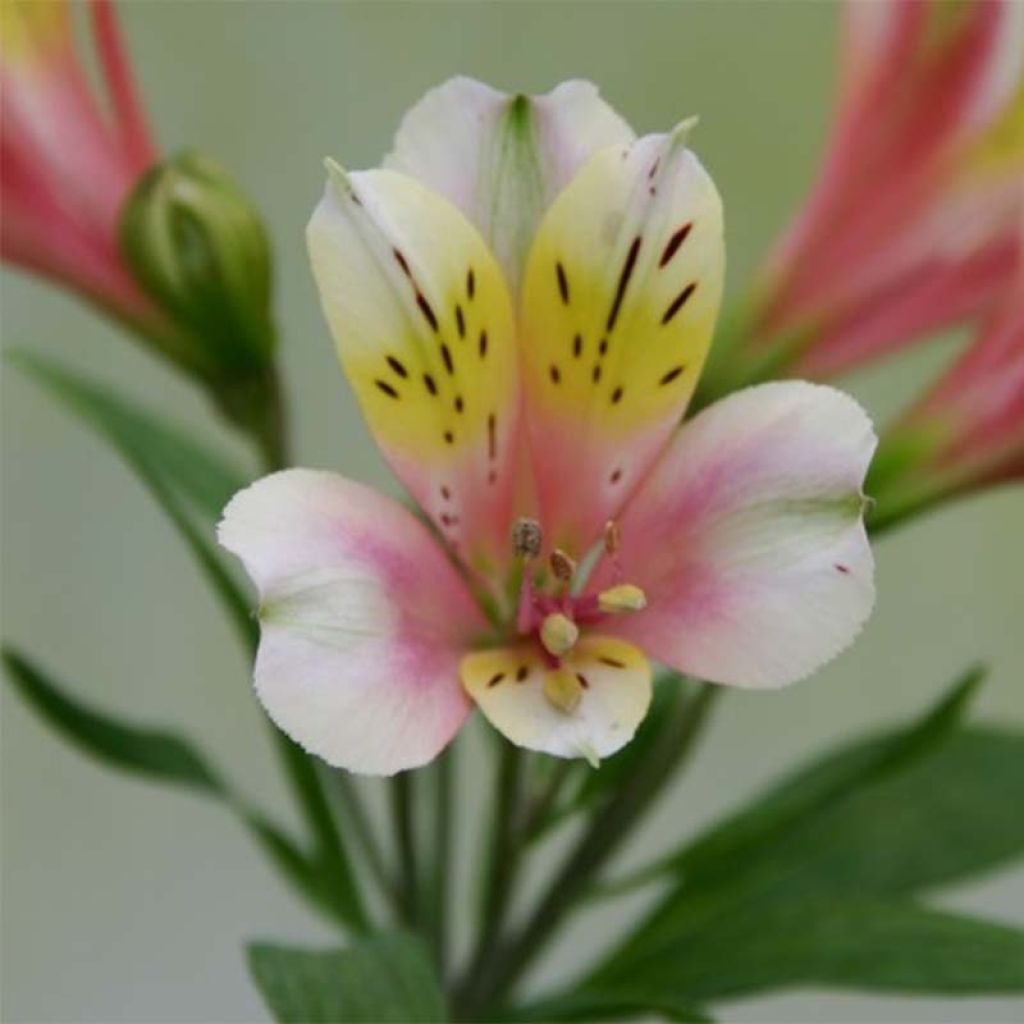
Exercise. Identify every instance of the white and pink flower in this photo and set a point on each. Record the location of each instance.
(911, 225)
(523, 300)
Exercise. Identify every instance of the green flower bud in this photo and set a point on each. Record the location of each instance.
(198, 246)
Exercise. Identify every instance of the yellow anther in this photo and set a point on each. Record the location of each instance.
(624, 598)
(563, 689)
(558, 634)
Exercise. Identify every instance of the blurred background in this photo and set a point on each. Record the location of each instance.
(122, 902)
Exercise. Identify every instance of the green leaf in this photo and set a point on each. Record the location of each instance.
(624, 1002)
(385, 978)
(821, 854)
(729, 848)
(819, 790)
(860, 944)
(139, 751)
(174, 468)
(156, 755)
(181, 475)
(204, 477)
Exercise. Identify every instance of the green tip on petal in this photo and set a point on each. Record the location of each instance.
(680, 135)
(337, 174)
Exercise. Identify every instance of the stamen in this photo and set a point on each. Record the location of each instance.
(623, 598)
(563, 568)
(558, 634)
(563, 690)
(527, 537)
(612, 537)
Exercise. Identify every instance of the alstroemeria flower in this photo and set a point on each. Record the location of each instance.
(967, 432)
(69, 156)
(911, 226)
(576, 530)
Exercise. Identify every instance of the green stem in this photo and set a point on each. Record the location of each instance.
(357, 824)
(405, 842)
(437, 898)
(307, 787)
(538, 810)
(607, 830)
(500, 869)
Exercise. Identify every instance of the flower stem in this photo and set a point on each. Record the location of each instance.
(307, 787)
(500, 870)
(356, 823)
(609, 826)
(537, 811)
(436, 898)
(405, 842)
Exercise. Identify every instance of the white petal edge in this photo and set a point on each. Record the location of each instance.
(748, 537)
(363, 620)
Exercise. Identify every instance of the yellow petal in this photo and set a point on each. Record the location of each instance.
(620, 296)
(422, 320)
(536, 706)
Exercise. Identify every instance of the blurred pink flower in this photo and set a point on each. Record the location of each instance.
(70, 153)
(967, 432)
(911, 226)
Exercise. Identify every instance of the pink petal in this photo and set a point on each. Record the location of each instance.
(363, 620)
(748, 538)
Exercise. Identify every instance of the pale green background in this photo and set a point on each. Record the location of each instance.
(122, 902)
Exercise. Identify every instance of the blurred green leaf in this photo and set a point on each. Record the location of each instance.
(819, 854)
(181, 475)
(156, 755)
(154, 450)
(385, 978)
(860, 944)
(202, 476)
(625, 1002)
(820, 791)
(153, 753)
(729, 847)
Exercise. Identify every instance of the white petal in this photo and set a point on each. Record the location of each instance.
(502, 159)
(363, 620)
(748, 537)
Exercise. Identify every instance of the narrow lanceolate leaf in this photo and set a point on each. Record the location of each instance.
(821, 788)
(623, 1002)
(386, 978)
(176, 470)
(185, 478)
(868, 827)
(202, 476)
(155, 755)
(861, 944)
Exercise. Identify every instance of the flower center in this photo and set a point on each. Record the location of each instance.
(555, 605)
